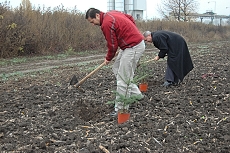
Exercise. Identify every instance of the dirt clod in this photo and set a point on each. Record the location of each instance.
(39, 113)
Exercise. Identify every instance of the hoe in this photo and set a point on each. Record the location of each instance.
(74, 81)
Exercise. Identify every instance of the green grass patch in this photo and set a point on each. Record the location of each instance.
(68, 53)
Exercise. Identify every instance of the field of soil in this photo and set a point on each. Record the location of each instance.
(40, 113)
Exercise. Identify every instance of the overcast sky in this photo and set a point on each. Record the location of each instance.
(221, 7)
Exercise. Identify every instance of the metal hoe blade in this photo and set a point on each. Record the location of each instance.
(77, 83)
(74, 80)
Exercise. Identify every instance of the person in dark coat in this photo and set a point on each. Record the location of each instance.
(172, 45)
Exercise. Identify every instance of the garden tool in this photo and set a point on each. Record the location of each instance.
(145, 62)
(148, 61)
(74, 80)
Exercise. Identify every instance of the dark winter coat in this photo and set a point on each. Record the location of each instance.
(119, 30)
(175, 47)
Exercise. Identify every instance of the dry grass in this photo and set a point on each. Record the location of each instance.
(41, 31)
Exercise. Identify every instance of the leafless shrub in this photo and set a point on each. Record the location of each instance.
(39, 31)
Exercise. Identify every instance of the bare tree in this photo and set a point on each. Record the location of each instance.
(26, 5)
(177, 9)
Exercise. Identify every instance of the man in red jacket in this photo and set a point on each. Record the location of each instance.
(120, 31)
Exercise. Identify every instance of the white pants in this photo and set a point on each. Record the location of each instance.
(124, 68)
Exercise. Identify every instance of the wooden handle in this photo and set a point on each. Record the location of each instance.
(148, 61)
(103, 149)
(91, 73)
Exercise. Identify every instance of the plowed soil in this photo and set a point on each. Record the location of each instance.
(40, 113)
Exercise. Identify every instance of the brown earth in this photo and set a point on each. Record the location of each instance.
(39, 113)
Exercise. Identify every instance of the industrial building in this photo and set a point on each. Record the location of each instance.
(135, 8)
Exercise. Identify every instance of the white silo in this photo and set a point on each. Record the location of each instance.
(120, 5)
(110, 5)
(139, 6)
(129, 7)
(132, 7)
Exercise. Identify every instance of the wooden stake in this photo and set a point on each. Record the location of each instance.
(103, 149)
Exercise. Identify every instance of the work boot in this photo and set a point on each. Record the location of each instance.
(113, 113)
(167, 84)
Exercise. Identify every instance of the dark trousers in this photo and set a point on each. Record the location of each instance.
(171, 76)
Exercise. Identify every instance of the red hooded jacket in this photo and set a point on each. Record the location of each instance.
(119, 30)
